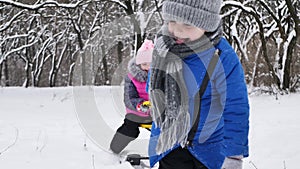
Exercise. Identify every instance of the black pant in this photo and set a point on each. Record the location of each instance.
(126, 133)
(129, 128)
(180, 158)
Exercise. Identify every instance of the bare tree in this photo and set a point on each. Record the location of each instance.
(271, 24)
(71, 42)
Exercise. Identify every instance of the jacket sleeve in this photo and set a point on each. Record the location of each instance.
(131, 96)
(234, 100)
(148, 81)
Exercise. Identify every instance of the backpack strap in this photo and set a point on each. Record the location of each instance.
(198, 98)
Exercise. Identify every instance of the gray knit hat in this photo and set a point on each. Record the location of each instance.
(204, 14)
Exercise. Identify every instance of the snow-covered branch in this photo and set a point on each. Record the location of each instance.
(7, 24)
(234, 32)
(16, 50)
(238, 5)
(16, 36)
(41, 5)
(119, 3)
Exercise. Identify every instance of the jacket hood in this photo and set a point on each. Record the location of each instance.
(136, 71)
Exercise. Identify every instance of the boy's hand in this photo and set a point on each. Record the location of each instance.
(144, 106)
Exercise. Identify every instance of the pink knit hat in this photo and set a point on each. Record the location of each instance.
(144, 54)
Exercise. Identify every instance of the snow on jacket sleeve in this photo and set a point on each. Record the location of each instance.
(131, 96)
(234, 94)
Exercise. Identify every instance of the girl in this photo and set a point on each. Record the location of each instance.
(135, 98)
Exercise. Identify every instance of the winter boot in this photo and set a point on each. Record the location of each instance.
(119, 142)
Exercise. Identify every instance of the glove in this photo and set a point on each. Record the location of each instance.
(234, 162)
(144, 106)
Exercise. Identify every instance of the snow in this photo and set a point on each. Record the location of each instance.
(47, 128)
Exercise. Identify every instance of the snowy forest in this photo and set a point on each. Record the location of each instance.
(46, 43)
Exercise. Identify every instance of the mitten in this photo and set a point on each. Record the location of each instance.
(144, 106)
(234, 162)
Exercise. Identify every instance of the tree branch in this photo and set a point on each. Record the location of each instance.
(7, 24)
(294, 15)
(119, 3)
(41, 5)
(15, 50)
(13, 143)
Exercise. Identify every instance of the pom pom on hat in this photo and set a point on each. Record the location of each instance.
(144, 54)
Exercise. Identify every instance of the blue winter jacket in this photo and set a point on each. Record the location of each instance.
(224, 117)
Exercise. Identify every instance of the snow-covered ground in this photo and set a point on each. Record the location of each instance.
(70, 128)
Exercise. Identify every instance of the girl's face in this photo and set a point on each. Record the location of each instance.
(183, 32)
(145, 66)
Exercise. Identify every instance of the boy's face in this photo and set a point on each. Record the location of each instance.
(183, 32)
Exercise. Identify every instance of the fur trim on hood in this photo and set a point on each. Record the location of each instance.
(136, 71)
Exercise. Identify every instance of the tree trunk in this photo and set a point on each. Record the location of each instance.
(265, 53)
(27, 78)
(291, 48)
(120, 53)
(287, 67)
(136, 26)
(6, 74)
(105, 68)
(52, 77)
(71, 71)
(83, 70)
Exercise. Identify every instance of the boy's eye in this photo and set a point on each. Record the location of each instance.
(172, 22)
(188, 26)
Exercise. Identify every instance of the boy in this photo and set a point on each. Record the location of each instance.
(199, 98)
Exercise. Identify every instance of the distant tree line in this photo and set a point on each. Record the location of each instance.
(89, 42)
